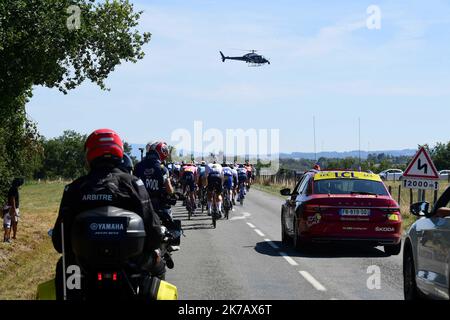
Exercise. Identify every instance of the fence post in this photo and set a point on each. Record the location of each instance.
(411, 197)
(390, 190)
(399, 193)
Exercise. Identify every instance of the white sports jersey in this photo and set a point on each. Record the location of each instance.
(227, 171)
(214, 169)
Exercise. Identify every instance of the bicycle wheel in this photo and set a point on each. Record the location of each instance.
(214, 217)
(227, 212)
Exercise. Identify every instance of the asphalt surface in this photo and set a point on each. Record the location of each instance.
(244, 259)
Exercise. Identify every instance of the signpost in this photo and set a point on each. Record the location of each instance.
(421, 173)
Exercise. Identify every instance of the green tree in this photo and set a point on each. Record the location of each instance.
(41, 43)
(441, 155)
(64, 156)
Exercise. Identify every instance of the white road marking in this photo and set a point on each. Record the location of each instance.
(316, 284)
(251, 225)
(259, 232)
(270, 243)
(245, 215)
(288, 259)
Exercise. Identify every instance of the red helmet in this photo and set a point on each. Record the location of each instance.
(161, 148)
(103, 142)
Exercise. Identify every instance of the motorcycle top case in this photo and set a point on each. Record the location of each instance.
(107, 236)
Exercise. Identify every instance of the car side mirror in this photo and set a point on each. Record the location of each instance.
(420, 209)
(286, 192)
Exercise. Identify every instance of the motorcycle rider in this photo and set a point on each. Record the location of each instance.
(106, 185)
(156, 179)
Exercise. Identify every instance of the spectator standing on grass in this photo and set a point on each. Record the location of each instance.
(6, 224)
(13, 203)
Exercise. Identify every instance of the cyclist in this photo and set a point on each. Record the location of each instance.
(202, 179)
(235, 182)
(214, 173)
(249, 168)
(190, 179)
(176, 168)
(228, 181)
(242, 180)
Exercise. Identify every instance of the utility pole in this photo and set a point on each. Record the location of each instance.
(315, 145)
(359, 135)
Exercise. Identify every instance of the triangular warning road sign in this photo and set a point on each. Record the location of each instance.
(422, 167)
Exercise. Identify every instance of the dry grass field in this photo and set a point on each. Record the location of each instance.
(31, 259)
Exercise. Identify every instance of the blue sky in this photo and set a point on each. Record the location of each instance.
(325, 63)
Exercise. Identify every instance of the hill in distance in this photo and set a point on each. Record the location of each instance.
(310, 155)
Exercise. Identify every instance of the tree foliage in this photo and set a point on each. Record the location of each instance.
(441, 156)
(42, 44)
(64, 156)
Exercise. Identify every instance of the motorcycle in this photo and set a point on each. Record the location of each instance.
(108, 246)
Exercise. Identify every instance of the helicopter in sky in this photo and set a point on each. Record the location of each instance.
(252, 58)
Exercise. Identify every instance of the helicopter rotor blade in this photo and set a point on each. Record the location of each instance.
(244, 50)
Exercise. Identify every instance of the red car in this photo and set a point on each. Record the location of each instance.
(331, 206)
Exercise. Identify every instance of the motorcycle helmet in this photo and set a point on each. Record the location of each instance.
(103, 144)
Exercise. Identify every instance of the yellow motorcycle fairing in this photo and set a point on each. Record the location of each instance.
(165, 291)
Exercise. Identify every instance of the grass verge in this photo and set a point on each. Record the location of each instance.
(31, 259)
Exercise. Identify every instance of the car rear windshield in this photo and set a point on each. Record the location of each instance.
(350, 186)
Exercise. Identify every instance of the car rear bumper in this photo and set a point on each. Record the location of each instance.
(375, 233)
(368, 241)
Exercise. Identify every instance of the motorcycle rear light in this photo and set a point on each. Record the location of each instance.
(99, 276)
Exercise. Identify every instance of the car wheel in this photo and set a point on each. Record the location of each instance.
(285, 239)
(393, 250)
(411, 292)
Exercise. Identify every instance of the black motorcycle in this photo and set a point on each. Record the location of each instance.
(108, 245)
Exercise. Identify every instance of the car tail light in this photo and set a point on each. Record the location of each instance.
(114, 276)
(99, 276)
(394, 217)
(393, 214)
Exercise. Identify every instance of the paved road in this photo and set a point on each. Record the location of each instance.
(244, 259)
